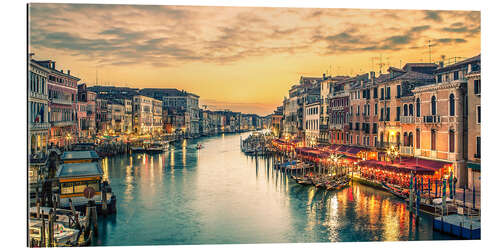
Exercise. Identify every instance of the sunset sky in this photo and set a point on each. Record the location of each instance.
(243, 59)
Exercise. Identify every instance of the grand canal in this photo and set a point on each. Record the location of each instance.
(218, 195)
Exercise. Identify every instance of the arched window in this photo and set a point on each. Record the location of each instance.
(410, 109)
(381, 137)
(418, 107)
(418, 138)
(410, 139)
(452, 105)
(433, 105)
(452, 141)
(405, 139)
(405, 110)
(398, 138)
(433, 139)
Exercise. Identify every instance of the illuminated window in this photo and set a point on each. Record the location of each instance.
(66, 188)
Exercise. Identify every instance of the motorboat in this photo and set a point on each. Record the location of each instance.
(63, 236)
(137, 149)
(155, 148)
(64, 216)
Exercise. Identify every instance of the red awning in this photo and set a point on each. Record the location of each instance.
(395, 167)
(424, 163)
(353, 150)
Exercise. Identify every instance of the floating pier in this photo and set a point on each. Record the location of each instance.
(458, 225)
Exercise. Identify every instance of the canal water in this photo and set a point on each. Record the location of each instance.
(217, 195)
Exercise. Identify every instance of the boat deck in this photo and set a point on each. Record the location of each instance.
(69, 170)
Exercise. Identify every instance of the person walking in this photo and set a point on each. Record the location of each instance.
(455, 185)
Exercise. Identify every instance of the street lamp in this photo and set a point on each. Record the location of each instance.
(393, 153)
(335, 158)
(68, 139)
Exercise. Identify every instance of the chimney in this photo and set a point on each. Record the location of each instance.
(53, 65)
(372, 75)
(441, 64)
(69, 72)
(469, 68)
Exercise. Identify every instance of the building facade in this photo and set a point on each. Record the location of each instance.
(62, 92)
(142, 115)
(38, 106)
(311, 123)
(440, 118)
(86, 112)
(473, 130)
(157, 117)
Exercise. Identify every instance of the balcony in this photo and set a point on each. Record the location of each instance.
(39, 126)
(62, 123)
(61, 101)
(407, 150)
(453, 157)
(38, 95)
(385, 145)
(323, 127)
(407, 119)
(432, 119)
(337, 126)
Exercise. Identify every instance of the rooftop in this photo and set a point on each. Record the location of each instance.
(79, 155)
(460, 64)
(68, 170)
(165, 92)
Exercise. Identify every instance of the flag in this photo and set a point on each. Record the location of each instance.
(39, 115)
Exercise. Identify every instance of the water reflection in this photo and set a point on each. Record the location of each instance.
(219, 195)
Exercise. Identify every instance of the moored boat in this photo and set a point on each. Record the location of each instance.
(63, 236)
(155, 148)
(64, 216)
(398, 192)
(82, 182)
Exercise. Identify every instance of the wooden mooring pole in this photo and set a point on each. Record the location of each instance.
(77, 222)
(104, 198)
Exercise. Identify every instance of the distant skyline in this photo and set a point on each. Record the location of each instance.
(240, 58)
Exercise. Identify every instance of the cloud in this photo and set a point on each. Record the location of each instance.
(167, 36)
(450, 40)
(433, 15)
(354, 40)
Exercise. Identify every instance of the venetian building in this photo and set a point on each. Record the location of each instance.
(358, 113)
(142, 120)
(339, 111)
(440, 118)
(158, 116)
(312, 122)
(38, 106)
(63, 99)
(326, 91)
(394, 95)
(473, 131)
